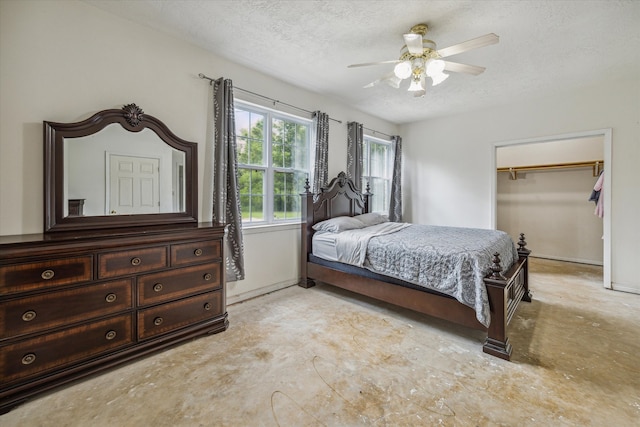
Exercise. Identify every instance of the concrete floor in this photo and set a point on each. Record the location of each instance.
(324, 357)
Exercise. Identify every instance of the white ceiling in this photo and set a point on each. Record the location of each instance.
(545, 46)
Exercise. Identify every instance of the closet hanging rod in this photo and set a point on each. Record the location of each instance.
(596, 165)
(275, 101)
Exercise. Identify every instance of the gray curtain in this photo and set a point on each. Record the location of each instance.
(355, 141)
(226, 194)
(395, 205)
(321, 162)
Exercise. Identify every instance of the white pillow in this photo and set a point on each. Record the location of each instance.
(372, 218)
(338, 224)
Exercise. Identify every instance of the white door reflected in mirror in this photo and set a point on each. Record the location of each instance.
(133, 185)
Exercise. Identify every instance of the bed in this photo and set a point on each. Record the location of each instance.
(497, 288)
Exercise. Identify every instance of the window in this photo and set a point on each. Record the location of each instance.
(377, 171)
(273, 163)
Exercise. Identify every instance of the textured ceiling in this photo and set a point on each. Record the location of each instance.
(545, 46)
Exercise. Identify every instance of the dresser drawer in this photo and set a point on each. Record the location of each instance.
(122, 263)
(33, 314)
(180, 282)
(195, 252)
(52, 351)
(171, 316)
(44, 274)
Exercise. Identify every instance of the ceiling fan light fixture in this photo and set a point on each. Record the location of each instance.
(434, 67)
(402, 70)
(416, 84)
(439, 78)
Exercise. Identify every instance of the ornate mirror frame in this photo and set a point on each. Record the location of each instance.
(131, 118)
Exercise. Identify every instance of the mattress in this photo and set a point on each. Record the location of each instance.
(324, 246)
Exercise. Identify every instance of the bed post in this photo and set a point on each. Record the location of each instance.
(367, 199)
(523, 253)
(306, 232)
(497, 343)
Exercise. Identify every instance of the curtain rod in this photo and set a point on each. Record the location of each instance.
(202, 76)
(377, 132)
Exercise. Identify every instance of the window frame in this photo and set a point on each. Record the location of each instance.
(268, 167)
(367, 178)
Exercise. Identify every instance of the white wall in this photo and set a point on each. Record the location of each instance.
(63, 61)
(449, 162)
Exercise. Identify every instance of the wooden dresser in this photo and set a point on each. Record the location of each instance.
(75, 304)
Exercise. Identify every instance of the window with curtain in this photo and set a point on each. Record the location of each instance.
(377, 171)
(273, 163)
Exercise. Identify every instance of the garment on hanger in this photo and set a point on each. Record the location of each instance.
(596, 196)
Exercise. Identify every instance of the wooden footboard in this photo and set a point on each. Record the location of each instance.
(505, 293)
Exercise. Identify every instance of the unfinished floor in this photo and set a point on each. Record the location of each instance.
(325, 357)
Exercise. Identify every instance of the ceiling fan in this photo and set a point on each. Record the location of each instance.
(420, 59)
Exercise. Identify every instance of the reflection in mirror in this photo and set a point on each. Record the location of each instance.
(117, 172)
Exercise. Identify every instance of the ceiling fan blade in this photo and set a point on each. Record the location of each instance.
(463, 68)
(389, 79)
(373, 83)
(414, 43)
(481, 41)
(366, 64)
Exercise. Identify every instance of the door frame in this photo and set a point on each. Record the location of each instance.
(606, 190)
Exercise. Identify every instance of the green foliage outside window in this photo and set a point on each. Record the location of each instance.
(287, 172)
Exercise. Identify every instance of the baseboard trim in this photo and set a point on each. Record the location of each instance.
(557, 258)
(623, 288)
(260, 291)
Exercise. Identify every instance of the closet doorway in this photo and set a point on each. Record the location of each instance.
(542, 188)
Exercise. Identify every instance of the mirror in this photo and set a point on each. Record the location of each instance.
(119, 168)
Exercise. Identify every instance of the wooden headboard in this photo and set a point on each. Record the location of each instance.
(339, 198)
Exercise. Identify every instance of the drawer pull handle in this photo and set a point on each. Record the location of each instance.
(207, 306)
(136, 261)
(208, 276)
(110, 298)
(110, 335)
(157, 287)
(47, 274)
(198, 252)
(28, 316)
(28, 359)
(158, 321)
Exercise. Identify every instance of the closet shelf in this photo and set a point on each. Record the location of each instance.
(596, 165)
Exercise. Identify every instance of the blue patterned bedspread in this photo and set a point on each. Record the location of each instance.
(450, 260)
